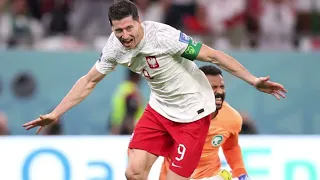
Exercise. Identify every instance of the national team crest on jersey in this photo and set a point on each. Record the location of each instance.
(152, 62)
(184, 38)
(217, 140)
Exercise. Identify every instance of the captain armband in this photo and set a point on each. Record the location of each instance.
(192, 50)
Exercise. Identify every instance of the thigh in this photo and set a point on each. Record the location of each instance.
(189, 139)
(150, 135)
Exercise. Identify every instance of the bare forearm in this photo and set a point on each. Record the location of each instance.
(82, 88)
(231, 65)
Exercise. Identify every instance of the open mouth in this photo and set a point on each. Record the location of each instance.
(127, 43)
(219, 100)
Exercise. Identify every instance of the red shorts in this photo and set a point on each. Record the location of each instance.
(182, 142)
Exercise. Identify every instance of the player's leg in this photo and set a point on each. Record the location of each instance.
(174, 176)
(149, 140)
(139, 165)
(189, 141)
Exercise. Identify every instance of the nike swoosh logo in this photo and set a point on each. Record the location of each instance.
(175, 165)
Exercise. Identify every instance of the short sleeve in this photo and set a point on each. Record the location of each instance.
(175, 42)
(172, 40)
(107, 62)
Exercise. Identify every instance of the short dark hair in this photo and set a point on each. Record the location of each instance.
(120, 9)
(211, 70)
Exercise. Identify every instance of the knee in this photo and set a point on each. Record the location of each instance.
(135, 174)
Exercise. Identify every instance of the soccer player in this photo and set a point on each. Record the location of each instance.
(177, 118)
(223, 132)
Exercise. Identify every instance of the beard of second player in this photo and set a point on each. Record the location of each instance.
(222, 96)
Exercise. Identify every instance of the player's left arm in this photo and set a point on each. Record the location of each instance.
(232, 152)
(204, 53)
(198, 51)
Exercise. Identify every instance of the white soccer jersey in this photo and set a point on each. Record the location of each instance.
(179, 89)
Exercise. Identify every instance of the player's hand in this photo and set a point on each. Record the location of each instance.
(263, 84)
(244, 177)
(42, 121)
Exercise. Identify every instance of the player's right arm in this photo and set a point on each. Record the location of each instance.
(81, 89)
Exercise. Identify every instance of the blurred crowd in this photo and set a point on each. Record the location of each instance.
(224, 24)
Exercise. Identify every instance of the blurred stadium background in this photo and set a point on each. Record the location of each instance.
(46, 45)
